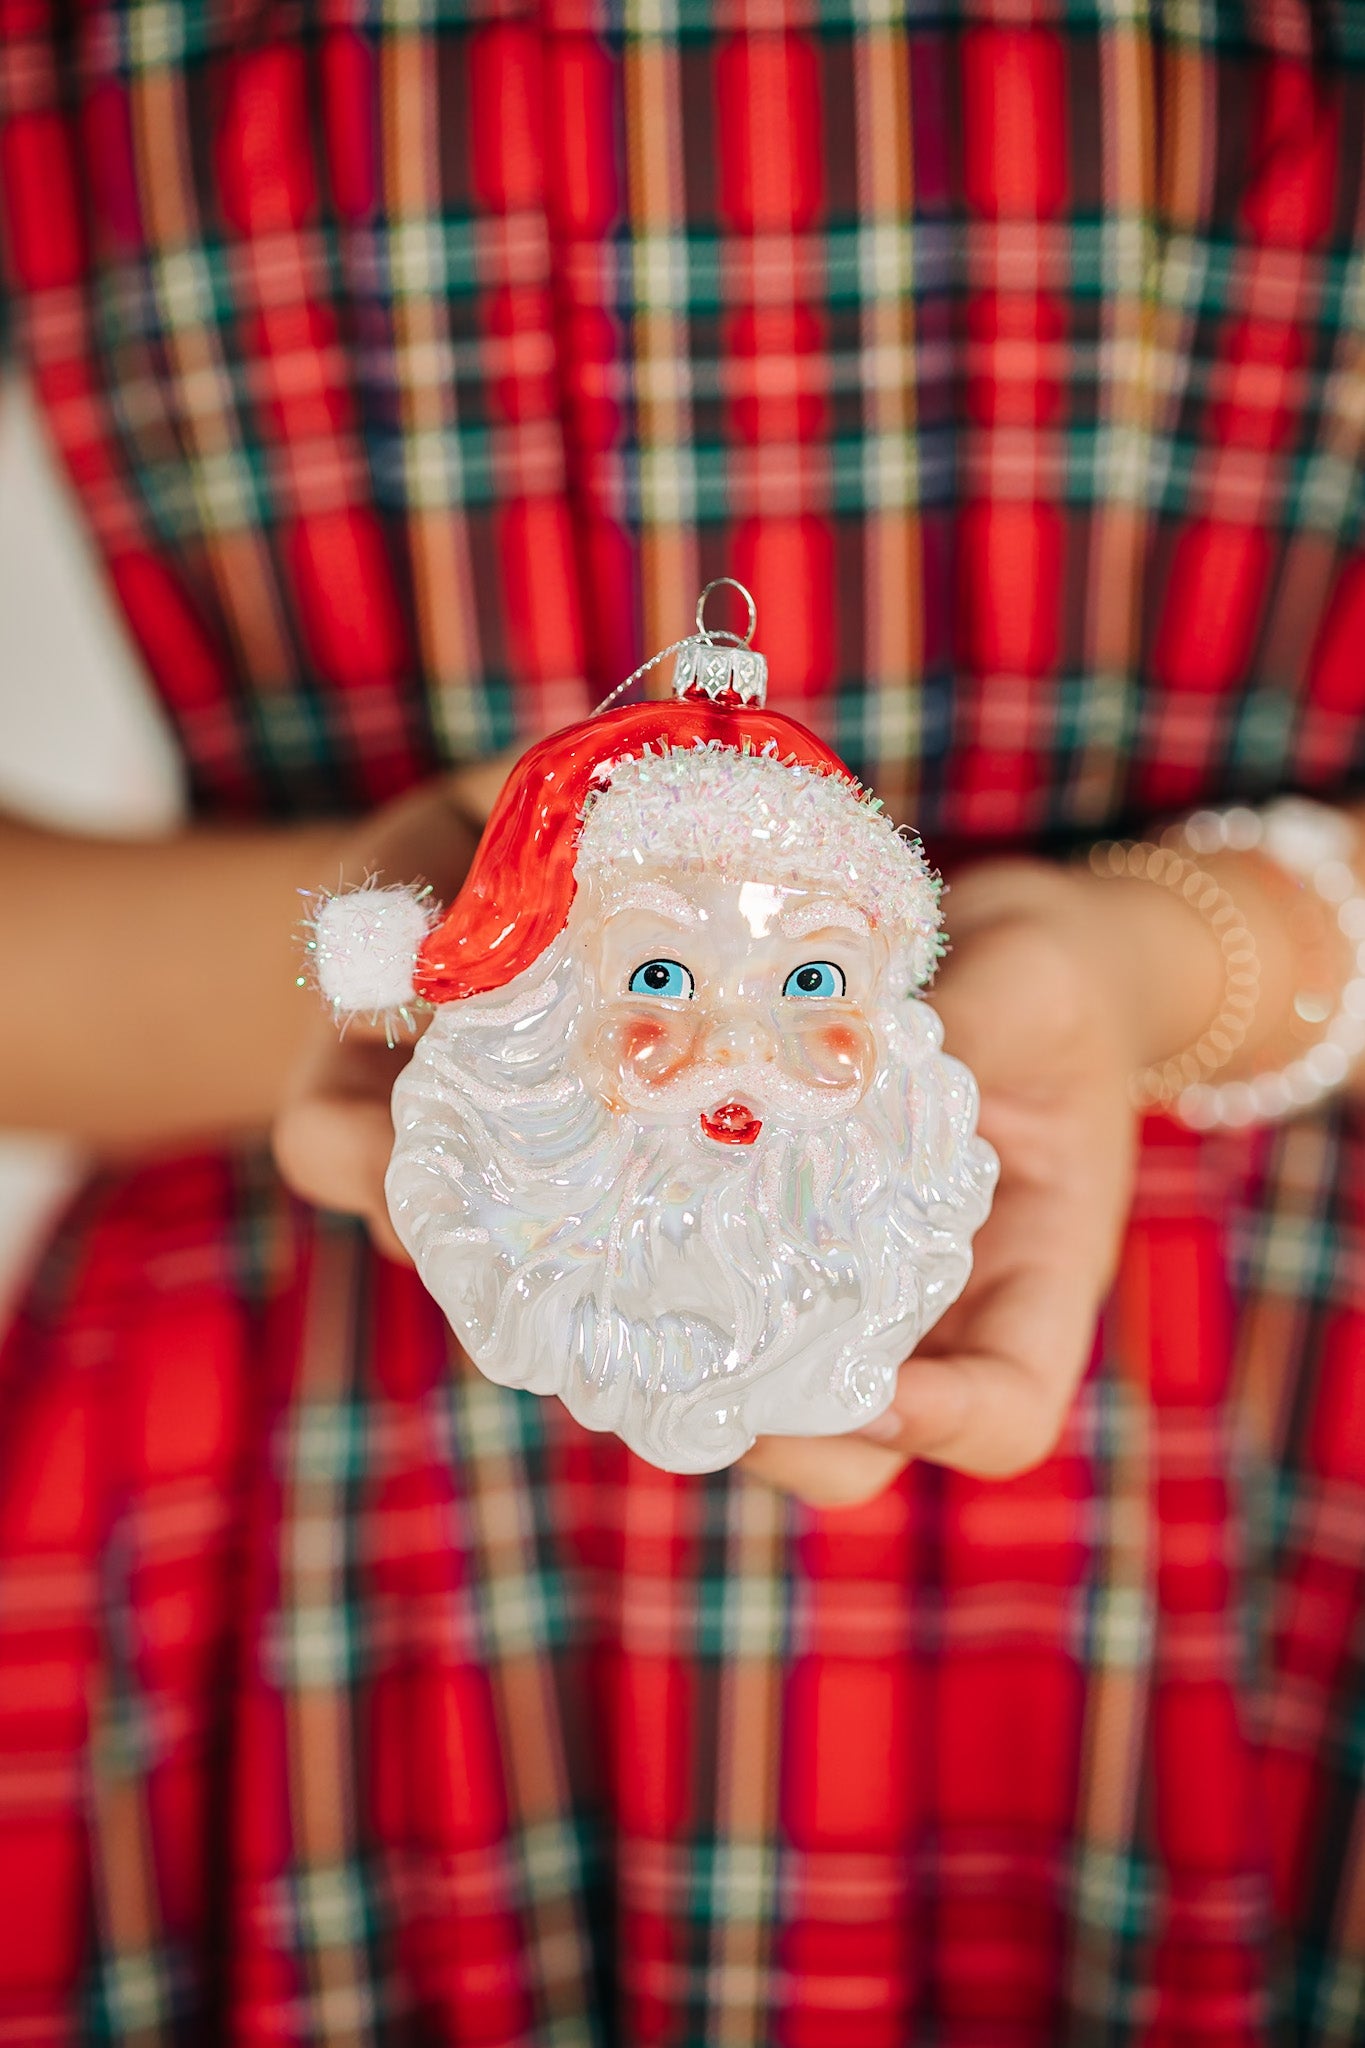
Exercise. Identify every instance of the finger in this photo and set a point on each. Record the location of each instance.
(333, 1137)
(335, 1155)
(824, 1472)
(995, 1405)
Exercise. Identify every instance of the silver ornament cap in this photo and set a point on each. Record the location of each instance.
(721, 665)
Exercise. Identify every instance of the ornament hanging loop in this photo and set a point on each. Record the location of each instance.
(713, 663)
(718, 632)
(719, 665)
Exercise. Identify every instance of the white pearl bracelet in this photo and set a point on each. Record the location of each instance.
(1315, 845)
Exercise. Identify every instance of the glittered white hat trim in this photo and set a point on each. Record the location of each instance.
(762, 818)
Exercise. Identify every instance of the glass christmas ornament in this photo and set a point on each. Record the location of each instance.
(680, 1144)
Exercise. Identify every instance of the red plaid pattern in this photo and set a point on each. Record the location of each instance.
(415, 369)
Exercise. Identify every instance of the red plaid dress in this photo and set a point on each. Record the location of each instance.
(416, 365)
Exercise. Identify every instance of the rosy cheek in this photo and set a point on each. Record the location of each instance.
(637, 1038)
(649, 1050)
(832, 1055)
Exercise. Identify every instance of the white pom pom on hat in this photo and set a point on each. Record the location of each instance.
(363, 946)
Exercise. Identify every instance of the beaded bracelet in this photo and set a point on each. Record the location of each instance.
(1310, 848)
(1313, 845)
(1168, 1082)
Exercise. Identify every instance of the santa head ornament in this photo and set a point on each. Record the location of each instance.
(679, 1144)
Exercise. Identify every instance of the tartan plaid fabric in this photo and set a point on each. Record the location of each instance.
(416, 366)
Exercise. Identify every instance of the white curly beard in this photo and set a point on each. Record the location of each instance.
(688, 1295)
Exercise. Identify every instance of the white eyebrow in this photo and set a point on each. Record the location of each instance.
(804, 918)
(657, 896)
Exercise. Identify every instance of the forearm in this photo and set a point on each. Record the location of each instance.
(149, 989)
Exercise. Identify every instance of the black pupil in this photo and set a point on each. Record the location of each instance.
(656, 975)
(808, 979)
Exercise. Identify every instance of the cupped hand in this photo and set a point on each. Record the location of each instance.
(1032, 1002)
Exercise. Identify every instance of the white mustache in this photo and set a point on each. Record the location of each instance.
(759, 1088)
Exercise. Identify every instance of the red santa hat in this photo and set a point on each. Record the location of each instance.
(683, 784)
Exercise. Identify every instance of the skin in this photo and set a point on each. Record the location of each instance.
(1058, 985)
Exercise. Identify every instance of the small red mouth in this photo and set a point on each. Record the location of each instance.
(732, 1124)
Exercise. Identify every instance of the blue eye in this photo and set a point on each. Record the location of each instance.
(816, 978)
(661, 978)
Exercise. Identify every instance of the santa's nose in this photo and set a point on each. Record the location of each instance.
(739, 1038)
